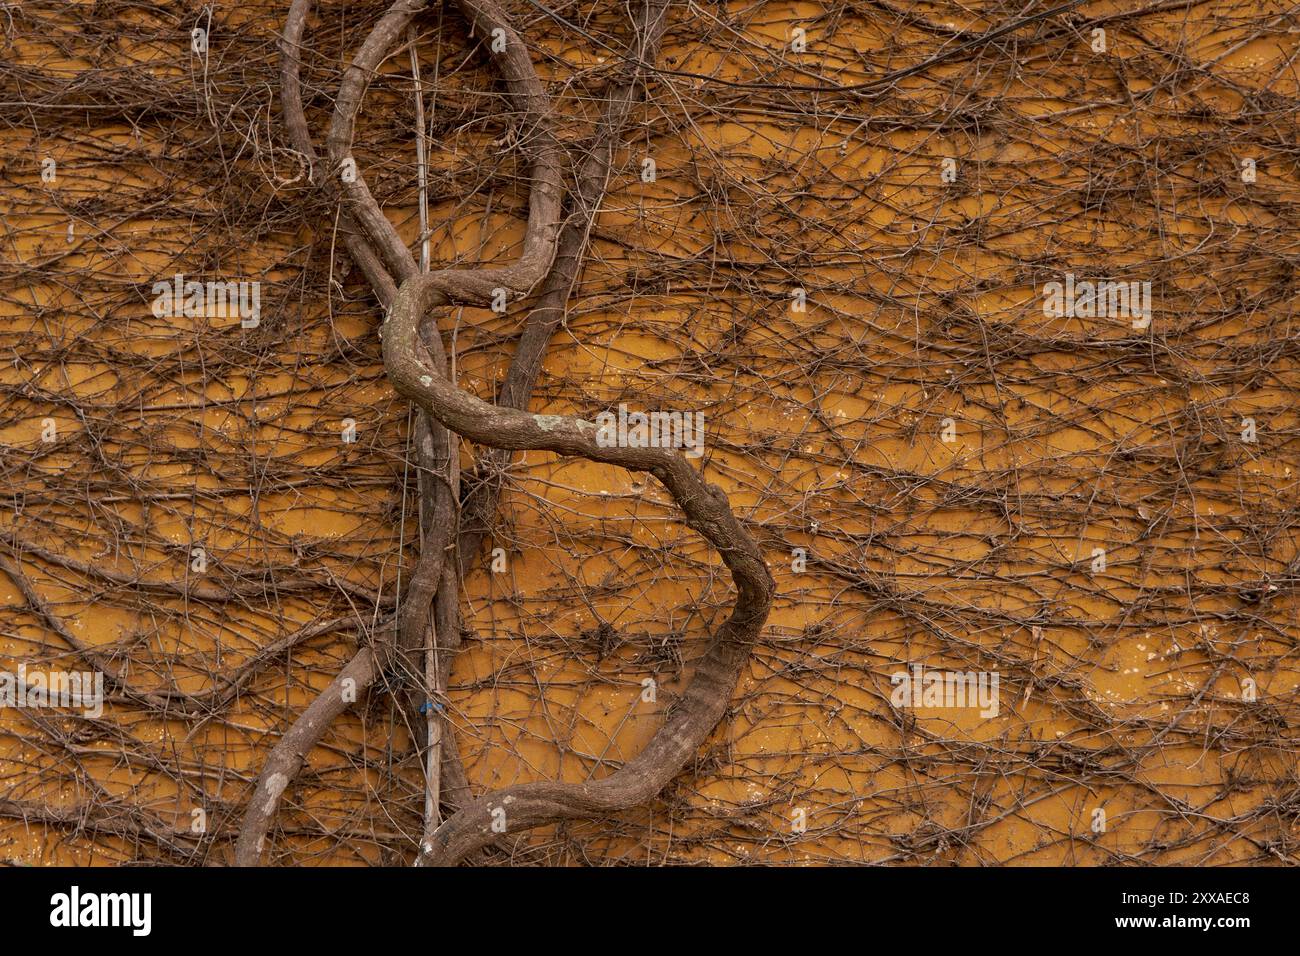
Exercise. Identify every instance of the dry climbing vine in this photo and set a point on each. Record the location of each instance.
(1112, 528)
(417, 366)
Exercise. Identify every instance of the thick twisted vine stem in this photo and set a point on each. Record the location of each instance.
(549, 310)
(434, 574)
(295, 122)
(416, 364)
(707, 512)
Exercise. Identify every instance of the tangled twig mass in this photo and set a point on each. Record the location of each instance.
(365, 585)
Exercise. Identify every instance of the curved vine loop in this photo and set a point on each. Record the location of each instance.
(416, 364)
